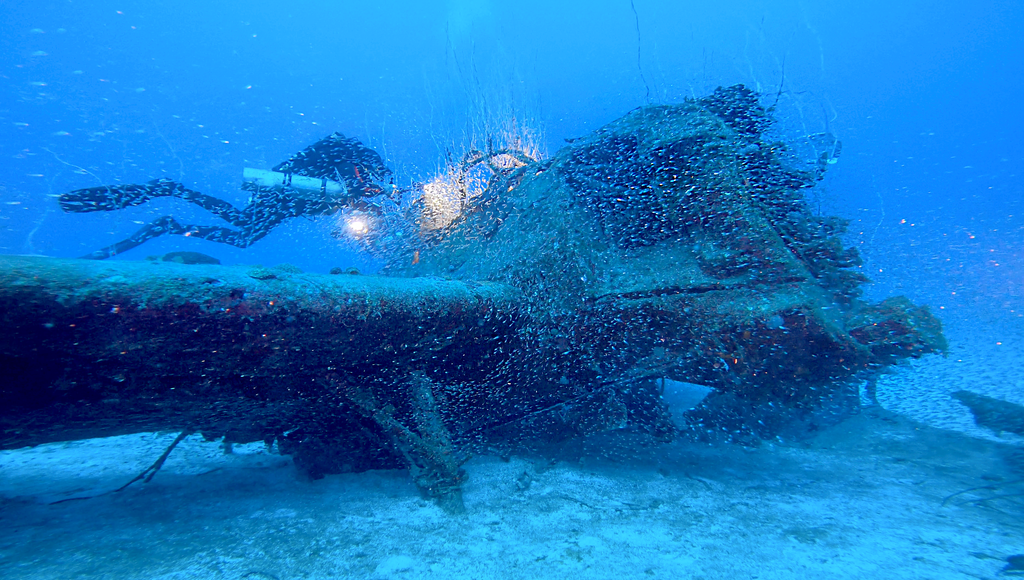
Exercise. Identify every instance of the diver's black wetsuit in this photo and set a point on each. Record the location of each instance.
(266, 209)
(336, 158)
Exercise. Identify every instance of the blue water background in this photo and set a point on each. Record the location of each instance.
(925, 97)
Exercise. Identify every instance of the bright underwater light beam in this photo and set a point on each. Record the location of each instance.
(358, 226)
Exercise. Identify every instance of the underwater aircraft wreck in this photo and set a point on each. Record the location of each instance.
(675, 243)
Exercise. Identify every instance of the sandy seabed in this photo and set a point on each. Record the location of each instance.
(870, 498)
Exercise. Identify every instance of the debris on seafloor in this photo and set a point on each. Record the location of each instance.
(674, 244)
(1014, 566)
(185, 258)
(994, 414)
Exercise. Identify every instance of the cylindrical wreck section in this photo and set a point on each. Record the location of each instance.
(93, 349)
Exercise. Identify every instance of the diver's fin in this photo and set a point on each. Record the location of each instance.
(340, 158)
(114, 197)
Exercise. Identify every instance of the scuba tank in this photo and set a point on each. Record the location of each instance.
(306, 187)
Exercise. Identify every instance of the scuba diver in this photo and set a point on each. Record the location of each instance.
(331, 174)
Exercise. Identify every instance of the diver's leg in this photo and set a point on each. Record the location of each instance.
(108, 198)
(238, 238)
(257, 227)
(164, 225)
(217, 207)
(254, 222)
(167, 225)
(114, 197)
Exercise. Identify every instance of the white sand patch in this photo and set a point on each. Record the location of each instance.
(861, 500)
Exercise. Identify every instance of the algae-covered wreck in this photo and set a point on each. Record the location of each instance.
(674, 243)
